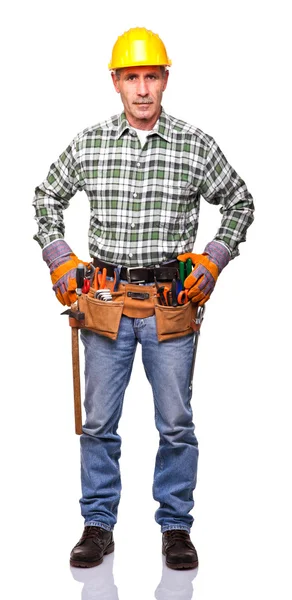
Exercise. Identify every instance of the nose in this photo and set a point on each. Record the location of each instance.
(142, 88)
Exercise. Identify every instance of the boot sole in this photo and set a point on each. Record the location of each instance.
(177, 566)
(86, 564)
(182, 566)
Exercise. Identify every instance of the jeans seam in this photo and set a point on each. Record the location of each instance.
(172, 527)
(97, 524)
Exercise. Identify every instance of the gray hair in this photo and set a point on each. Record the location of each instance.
(117, 72)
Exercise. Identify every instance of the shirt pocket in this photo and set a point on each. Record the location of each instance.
(173, 198)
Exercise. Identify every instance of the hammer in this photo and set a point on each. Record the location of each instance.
(75, 355)
(75, 316)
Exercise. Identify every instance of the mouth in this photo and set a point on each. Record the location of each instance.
(143, 106)
(145, 103)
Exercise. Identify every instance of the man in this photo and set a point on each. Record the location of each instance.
(144, 172)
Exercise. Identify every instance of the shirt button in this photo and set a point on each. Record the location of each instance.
(134, 195)
(133, 225)
(130, 254)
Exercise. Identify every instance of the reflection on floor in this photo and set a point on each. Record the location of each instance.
(99, 582)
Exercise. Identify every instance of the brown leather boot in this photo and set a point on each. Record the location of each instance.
(178, 549)
(92, 546)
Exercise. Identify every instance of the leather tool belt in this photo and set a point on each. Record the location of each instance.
(165, 272)
(104, 317)
(137, 301)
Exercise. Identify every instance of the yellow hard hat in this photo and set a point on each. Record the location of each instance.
(138, 47)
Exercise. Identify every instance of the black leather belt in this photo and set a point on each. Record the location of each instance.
(165, 272)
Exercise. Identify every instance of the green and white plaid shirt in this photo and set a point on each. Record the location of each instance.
(144, 202)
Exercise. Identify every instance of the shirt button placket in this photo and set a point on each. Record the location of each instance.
(135, 195)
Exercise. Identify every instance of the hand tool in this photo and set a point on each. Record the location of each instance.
(117, 277)
(103, 294)
(160, 290)
(102, 279)
(95, 279)
(88, 279)
(183, 297)
(185, 269)
(76, 315)
(165, 292)
(161, 296)
(174, 292)
(181, 270)
(99, 279)
(76, 381)
(86, 286)
(198, 322)
(189, 266)
(80, 271)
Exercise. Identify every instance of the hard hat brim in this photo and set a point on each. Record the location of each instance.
(113, 67)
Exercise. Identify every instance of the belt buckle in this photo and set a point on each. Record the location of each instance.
(129, 269)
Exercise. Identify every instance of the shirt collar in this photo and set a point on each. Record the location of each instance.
(162, 127)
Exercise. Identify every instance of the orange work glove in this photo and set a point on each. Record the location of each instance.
(207, 266)
(63, 263)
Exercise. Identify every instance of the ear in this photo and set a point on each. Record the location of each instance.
(115, 82)
(165, 80)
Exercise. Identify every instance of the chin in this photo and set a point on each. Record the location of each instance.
(145, 114)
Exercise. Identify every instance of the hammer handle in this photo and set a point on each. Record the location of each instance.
(76, 381)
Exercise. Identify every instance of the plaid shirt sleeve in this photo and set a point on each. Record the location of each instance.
(222, 185)
(53, 196)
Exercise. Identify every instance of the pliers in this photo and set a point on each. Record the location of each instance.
(183, 297)
(162, 291)
(185, 269)
(99, 279)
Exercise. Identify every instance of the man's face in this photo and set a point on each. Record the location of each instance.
(141, 90)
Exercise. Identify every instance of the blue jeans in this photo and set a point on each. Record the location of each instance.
(108, 366)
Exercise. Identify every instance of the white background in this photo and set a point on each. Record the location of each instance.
(230, 76)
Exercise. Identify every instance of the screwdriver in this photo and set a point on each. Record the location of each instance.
(181, 268)
(174, 293)
(189, 266)
(79, 279)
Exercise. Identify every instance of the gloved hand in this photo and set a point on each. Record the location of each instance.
(62, 263)
(201, 282)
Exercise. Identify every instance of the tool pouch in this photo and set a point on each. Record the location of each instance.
(102, 317)
(139, 300)
(136, 302)
(175, 321)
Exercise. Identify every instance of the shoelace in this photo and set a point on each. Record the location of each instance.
(91, 532)
(176, 535)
